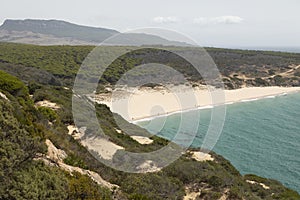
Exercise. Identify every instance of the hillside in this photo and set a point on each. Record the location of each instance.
(40, 160)
(59, 29)
(57, 32)
(239, 68)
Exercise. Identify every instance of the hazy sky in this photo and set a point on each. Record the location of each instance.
(225, 23)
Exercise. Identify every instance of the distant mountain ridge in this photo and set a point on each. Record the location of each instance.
(59, 29)
(53, 32)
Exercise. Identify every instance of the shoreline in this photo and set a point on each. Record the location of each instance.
(130, 104)
(148, 118)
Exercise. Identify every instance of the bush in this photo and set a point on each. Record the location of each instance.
(48, 113)
(35, 181)
(76, 161)
(297, 73)
(12, 85)
(235, 193)
(215, 181)
(82, 187)
(261, 82)
(153, 186)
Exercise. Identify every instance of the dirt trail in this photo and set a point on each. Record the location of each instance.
(286, 73)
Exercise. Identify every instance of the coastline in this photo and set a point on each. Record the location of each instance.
(137, 105)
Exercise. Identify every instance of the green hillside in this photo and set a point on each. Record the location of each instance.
(25, 127)
(237, 67)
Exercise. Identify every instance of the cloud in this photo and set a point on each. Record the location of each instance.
(219, 20)
(164, 20)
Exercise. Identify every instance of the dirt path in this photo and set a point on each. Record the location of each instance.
(286, 73)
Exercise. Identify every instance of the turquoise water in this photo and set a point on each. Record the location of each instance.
(259, 137)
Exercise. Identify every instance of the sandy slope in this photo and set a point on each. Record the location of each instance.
(56, 157)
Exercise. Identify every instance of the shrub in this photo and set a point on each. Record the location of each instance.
(12, 85)
(48, 113)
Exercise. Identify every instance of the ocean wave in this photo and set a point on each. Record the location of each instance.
(248, 100)
(270, 97)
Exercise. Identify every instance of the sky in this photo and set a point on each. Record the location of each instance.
(219, 23)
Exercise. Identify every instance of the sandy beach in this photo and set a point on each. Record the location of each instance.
(135, 104)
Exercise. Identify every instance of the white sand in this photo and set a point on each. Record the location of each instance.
(142, 140)
(148, 166)
(75, 132)
(201, 156)
(118, 131)
(190, 195)
(72, 129)
(137, 104)
(3, 96)
(105, 148)
(261, 184)
(47, 104)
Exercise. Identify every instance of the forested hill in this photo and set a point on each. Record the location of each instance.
(239, 68)
(39, 159)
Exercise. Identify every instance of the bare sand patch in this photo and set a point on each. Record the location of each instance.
(148, 166)
(104, 147)
(47, 104)
(142, 140)
(189, 195)
(261, 184)
(201, 156)
(3, 96)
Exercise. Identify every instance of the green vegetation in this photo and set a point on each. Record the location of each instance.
(34, 181)
(11, 84)
(48, 113)
(58, 65)
(61, 61)
(81, 187)
(152, 186)
(22, 135)
(24, 128)
(75, 161)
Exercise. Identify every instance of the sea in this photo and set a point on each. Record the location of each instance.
(260, 137)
